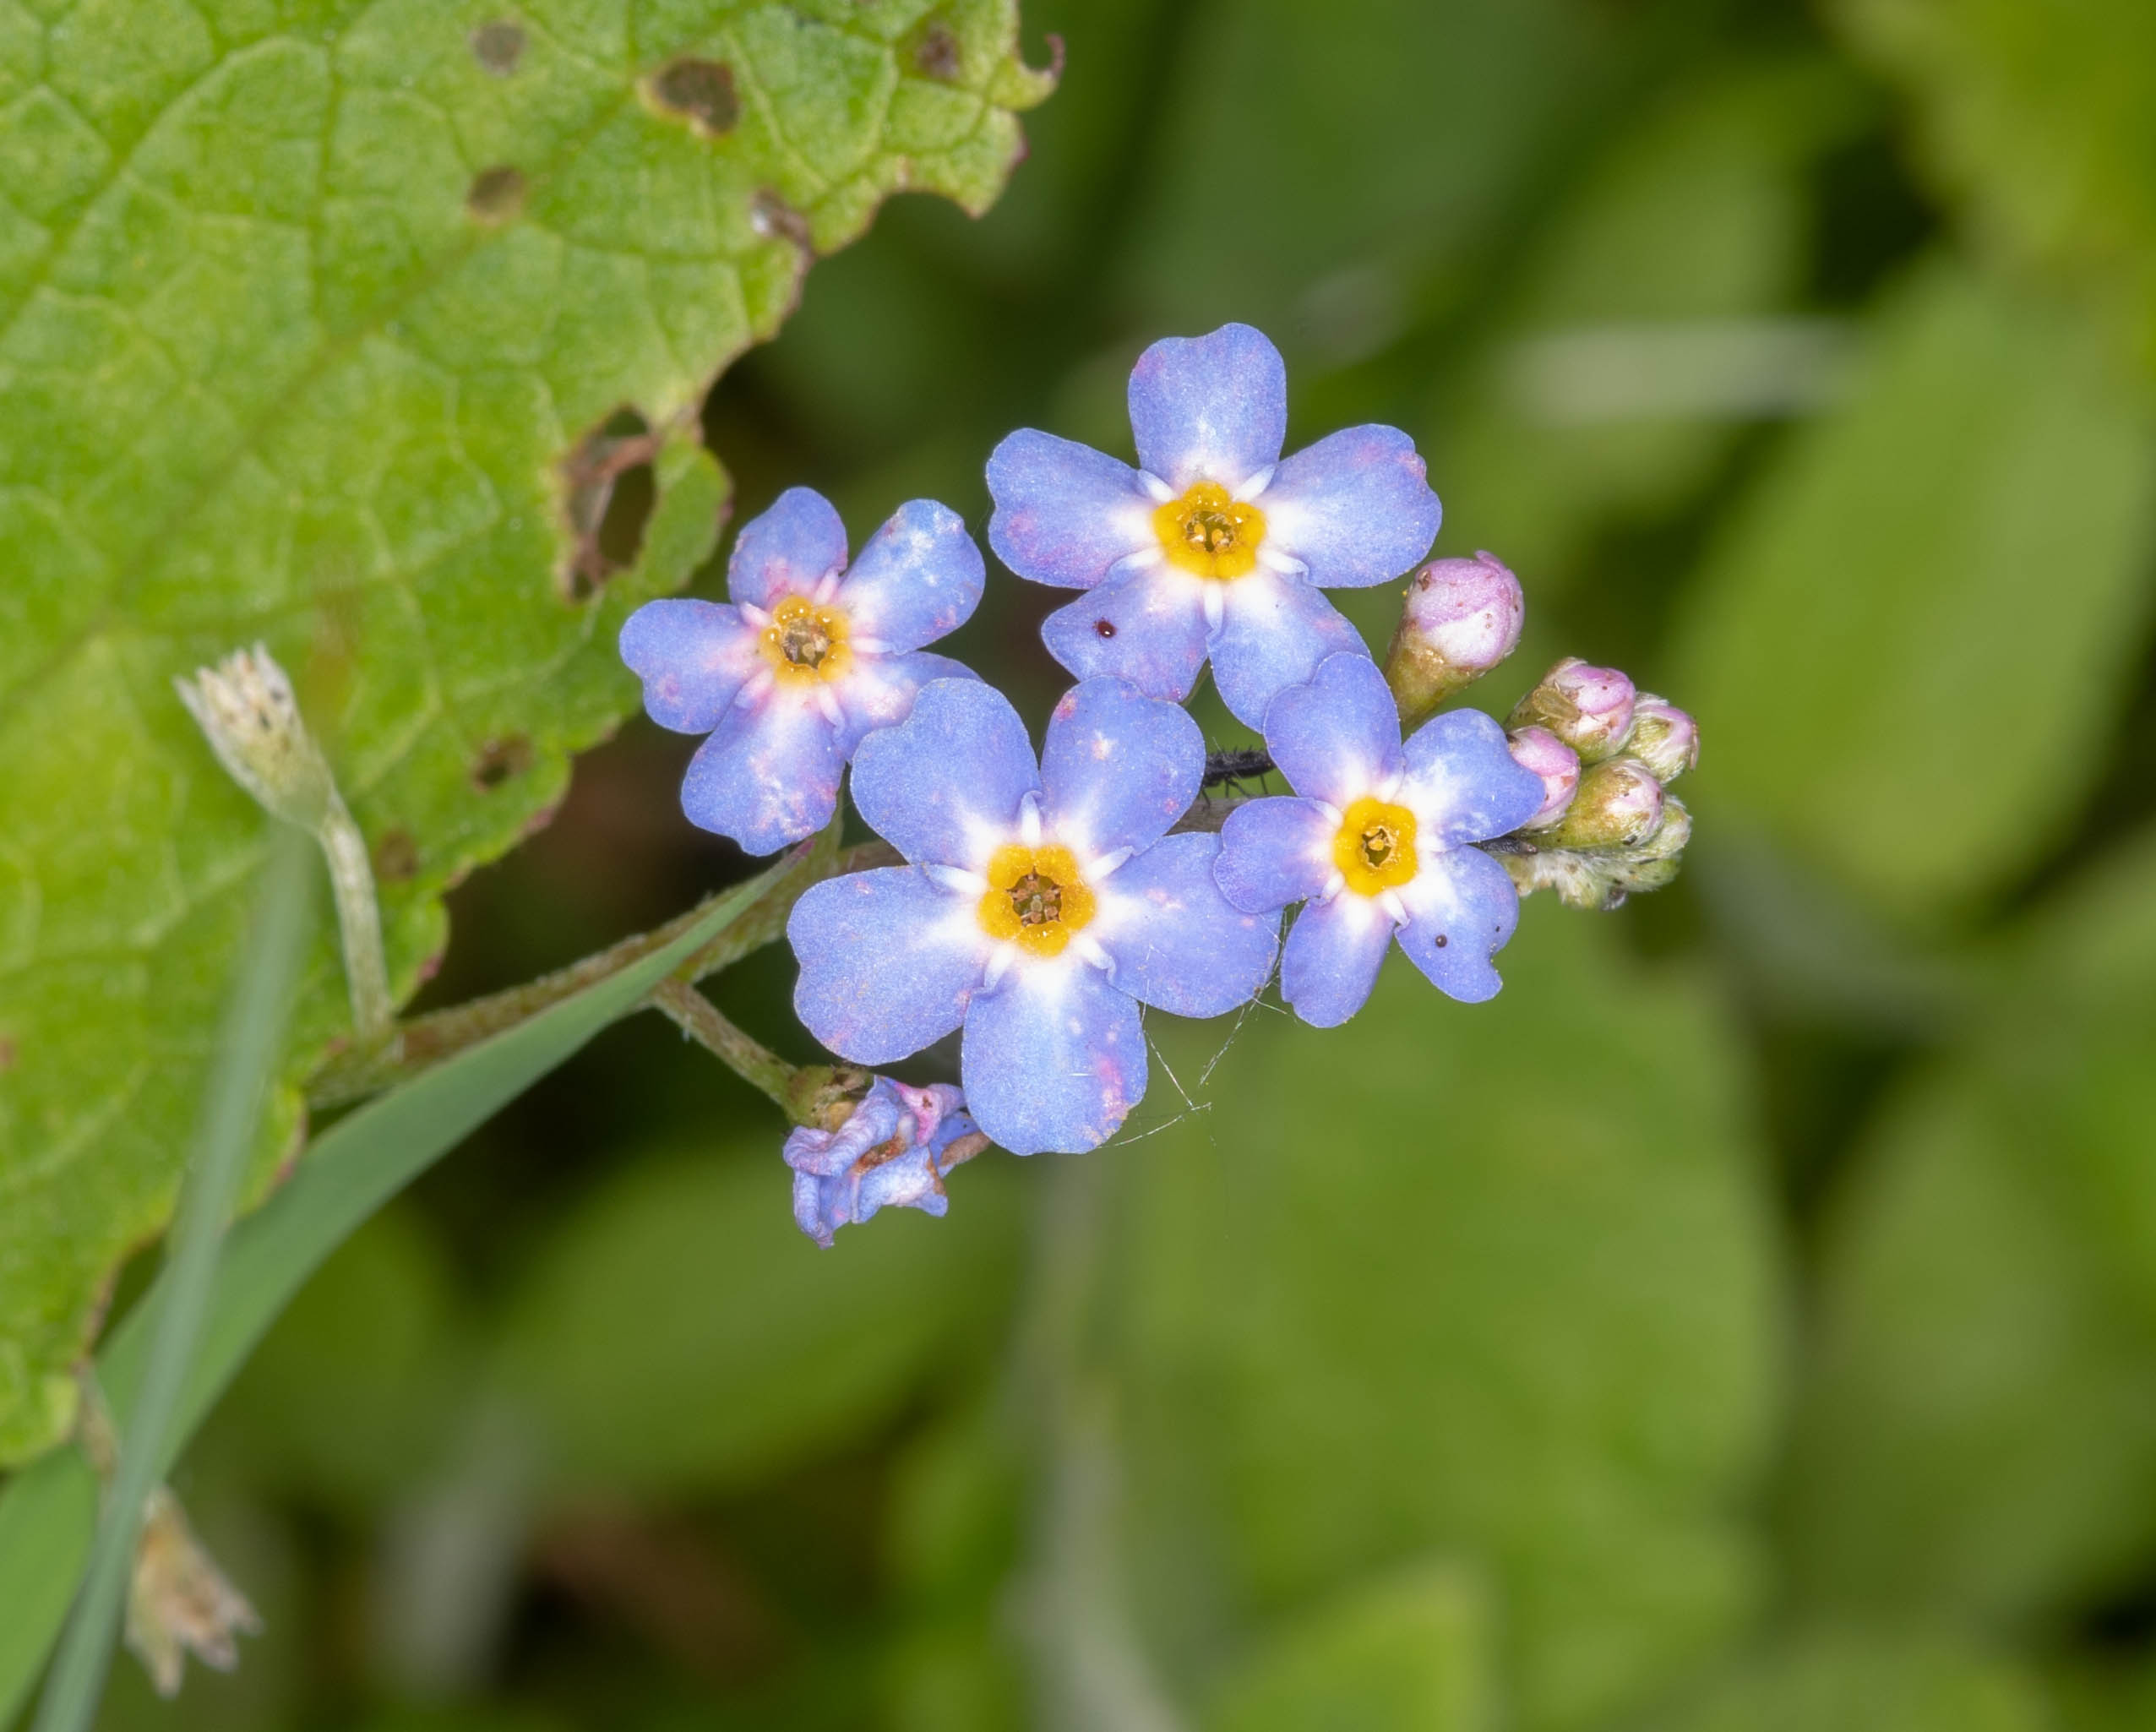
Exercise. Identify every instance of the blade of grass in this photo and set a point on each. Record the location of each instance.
(248, 1043)
(46, 1512)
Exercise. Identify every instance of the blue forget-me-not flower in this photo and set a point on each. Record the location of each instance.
(807, 659)
(1214, 545)
(1041, 907)
(1375, 842)
(891, 1153)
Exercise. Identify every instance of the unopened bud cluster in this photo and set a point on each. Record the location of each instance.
(1605, 753)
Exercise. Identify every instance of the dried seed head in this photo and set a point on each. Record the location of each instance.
(245, 709)
(180, 1602)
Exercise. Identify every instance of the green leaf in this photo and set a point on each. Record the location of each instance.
(2097, 1698)
(1849, 1683)
(309, 315)
(1641, 339)
(1315, 178)
(1978, 1431)
(47, 1510)
(1410, 1654)
(2042, 117)
(681, 1334)
(1905, 654)
(1495, 1281)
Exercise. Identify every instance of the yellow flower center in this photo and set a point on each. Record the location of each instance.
(805, 643)
(1375, 847)
(1036, 896)
(1210, 534)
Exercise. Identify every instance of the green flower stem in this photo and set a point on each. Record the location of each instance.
(359, 924)
(424, 1042)
(701, 1020)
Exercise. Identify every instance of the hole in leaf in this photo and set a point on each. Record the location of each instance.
(703, 90)
(397, 857)
(498, 45)
(497, 194)
(771, 215)
(936, 51)
(611, 491)
(499, 760)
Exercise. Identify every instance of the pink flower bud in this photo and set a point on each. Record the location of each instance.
(1588, 708)
(1462, 618)
(1664, 737)
(1617, 805)
(1540, 751)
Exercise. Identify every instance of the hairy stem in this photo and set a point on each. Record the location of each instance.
(749, 1058)
(400, 1051)
(359, 924)
(425, 1041)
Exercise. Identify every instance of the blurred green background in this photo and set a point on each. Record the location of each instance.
(1748, 1320)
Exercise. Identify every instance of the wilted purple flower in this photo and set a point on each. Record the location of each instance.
(1588, 708)
(1213, 545)
(1462, 617)
(805, 662)
(1376, 842)
(1041, 908)
(1541, 752)
(892, 1152)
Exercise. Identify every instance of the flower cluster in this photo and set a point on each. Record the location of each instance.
(1044, 902)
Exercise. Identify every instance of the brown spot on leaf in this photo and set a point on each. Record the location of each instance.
(771, 215)
(497, 193)
(7, 1053)
(396, 857)
(935, 51)
(500, 760)
(498, 45)
(610, 492)
(703, 91)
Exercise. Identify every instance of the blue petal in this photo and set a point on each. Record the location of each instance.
(1118, 767)
(879, 1116)
(692, 657)
(918, 578)
(1463, 784)
(1175, 942)
(1053, 1059)
(1064, 512)
(1276, 631)
(943, 788)
(1146, 625)
(889, 960)
(1330, 961)
(1355, 508)
(878, 691)
(1209, 408)
(1337, 737)
(768, 776)
(1274, 852)
(910, 1182)
(1463, 908)
(787, 550)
